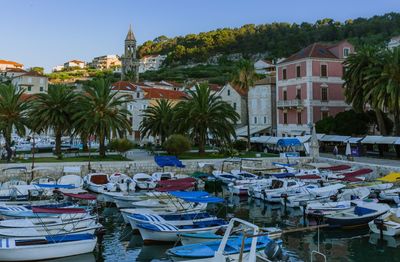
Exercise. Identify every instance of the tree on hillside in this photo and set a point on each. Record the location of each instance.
(13, 114)
(158, 120)
(102, 112)
(245, 78)
(202, 114)
(54, 111)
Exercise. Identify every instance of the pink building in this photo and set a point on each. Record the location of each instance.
(309, 87)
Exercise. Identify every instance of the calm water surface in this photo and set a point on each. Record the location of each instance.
(119, 244)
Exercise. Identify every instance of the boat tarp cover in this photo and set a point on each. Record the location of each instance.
(178, 187)
(308, 177)
(360, 172)
(172, 182)
(361, 211)
(283, 175)
(337, 168)
(67, 238)
(58, 210)
(391, 177)
(189, 194)
(204, 199)
(163, 161)
(351, 179)
(81, 196)
(286, 142)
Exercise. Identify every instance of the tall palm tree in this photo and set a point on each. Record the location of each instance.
(102, 112)
(205, 113)
(54, 110)
(157, 120)
(244, 79)
(362, 71)
(13, 114)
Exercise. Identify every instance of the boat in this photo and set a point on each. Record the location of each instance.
(96, 182)
(226, 249)
(278, 187)
(51, 223)
(388, 222)
(152, 232)
(118, 182)
(48, 247)
(390, 195)
(359, 215)
(225, 177)
(312, 195)
(161, 176)
(144, 181)
(30, 211)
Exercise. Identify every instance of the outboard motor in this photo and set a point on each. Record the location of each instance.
(273, 251)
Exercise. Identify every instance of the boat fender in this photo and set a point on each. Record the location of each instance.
(272, 250)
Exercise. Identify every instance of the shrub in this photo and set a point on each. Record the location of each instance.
(177, 144)
(240, 145)
(122, 145)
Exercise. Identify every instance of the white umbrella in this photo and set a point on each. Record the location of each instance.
(348, 149)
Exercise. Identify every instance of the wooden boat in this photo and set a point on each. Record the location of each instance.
(47, 247)
(359, 215)
(389, 222)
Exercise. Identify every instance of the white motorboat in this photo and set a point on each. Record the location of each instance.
(161, 176)
(390, 195)
(96, 182)
(144, 181)
(273, 192)
(225, 177)
(48, 247)
(120, 183)
(388, 222)
(51, 223)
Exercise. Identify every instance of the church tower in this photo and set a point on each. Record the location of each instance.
(130, 64)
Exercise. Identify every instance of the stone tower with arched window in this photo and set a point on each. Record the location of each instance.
(130, 64)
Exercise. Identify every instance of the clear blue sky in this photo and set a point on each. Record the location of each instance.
(49, 32)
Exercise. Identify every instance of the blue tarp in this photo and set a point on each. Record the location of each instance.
(204, 199)
(285, 142)
(55, 186)
(163, 161)
(283, 175)
(186, 194)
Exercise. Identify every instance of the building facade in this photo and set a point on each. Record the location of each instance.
(129, 62)
(32, 82)
(151, 62)
(236, 98)
(106, 62)
(264, 67)
(5, 64)
(74, 64)
(310, 87)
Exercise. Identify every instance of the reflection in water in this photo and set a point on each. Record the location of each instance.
(121, 245)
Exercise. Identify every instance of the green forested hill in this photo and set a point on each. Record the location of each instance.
(276, 39)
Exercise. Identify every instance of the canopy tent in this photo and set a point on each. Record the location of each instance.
(163, 161)
(242, 131)
(286, 142)
(304, 139)
(388, 140)
(260, 139)
(354, 140)
(334, 138)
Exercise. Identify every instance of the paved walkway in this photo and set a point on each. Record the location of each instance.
(368, 160)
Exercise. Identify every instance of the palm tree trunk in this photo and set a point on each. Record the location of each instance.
(381, 122)
(102, 147)
(7, 137)
(84, 141)
(58, 143)
(248, 123)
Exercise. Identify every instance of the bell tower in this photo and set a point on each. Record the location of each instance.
(130, 64)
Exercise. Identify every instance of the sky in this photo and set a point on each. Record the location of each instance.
(49, 32)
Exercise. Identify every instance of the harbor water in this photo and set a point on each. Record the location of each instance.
(120, 244)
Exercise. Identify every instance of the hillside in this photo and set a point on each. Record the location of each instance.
(276, 40)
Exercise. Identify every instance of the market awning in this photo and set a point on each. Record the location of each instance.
(285, 142)
(242, 131)
(304, 139)
(388, 140)
(354, 140)
(334, 138)
(273, 140)
(259, 139)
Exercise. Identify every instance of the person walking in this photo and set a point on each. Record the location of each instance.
(335, 151)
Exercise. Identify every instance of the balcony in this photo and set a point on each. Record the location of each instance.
(295, 103)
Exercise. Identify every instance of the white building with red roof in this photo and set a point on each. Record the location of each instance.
(151, 62)
(6, 64)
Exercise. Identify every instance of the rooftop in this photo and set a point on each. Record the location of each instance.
(7, 62)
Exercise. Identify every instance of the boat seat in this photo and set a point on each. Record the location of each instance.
(99, 180)
(394, 218)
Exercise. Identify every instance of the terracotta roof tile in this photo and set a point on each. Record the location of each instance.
(33, 73)
(316, 50)
(124, 85)
(159, 93)
(17, 70)
(10, 63)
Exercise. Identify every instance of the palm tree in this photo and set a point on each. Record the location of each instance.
(54, 110)
(362, 71)
(244, 79)
(205, 113)
(157, 120)
(13, 114)
(102, 112)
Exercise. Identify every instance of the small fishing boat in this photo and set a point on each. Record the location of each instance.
(29, 211)
(48, 247)
(359, 215)
(161, 176)
(390, 195)
(388, 222)
(144, 181)
(96, 182)
(120, 183)
(225, 177)
(278, 187)
(51, 223)
(152, 232)
(227, 249)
